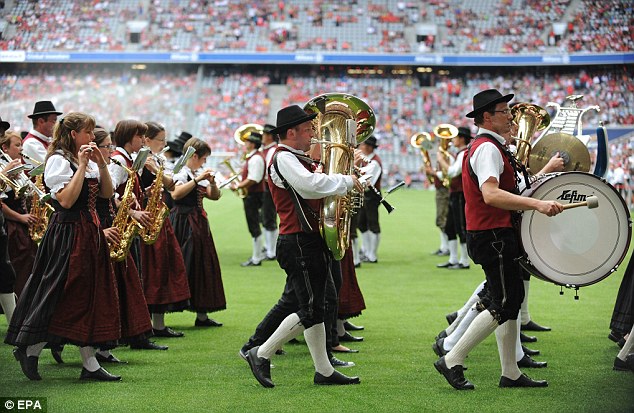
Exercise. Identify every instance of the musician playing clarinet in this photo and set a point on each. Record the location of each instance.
(489, 179)
(368, 220)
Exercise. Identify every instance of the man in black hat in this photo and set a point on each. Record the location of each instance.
(455, 226)
(36, 143)
(297, 192)
(253, 182)
(4, 126)
(268, 214)
(368, 217)
(491, 194)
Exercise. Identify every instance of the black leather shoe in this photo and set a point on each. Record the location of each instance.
(533, 326)
(629, 362)
(440, 253)
(167, 332)
(446, 264)
(522, 381)
(110, 359)
(56, 352)
(267, 258)
(27, 363)
(442, 334)
(243, 352)
(210, 322)
(528, 362)
(527, 339)
(458, 266)
(260, 367)
(438, 347)
(347, 337)
(100, 375)
(335, 362)
(615, 336)
(454, 375)
(335, 378)
(620, 365)
(251, 263)
(147, 345)
(451, 317)
(529, 351)
(351, 327)
(366, 259)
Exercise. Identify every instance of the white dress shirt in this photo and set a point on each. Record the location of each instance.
(58, 173)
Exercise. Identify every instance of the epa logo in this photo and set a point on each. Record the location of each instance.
(30, 404)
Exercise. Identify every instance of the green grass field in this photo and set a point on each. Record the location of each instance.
(407, 299)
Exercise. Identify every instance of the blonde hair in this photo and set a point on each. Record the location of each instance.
(62, 137)
(5, 139)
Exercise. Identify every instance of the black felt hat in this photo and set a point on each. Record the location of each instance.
(44, 107)
(255, 137)
(371, 141)
(268, 128)
(465, 133)
(291, 116)
(4, 125)
(487, 98)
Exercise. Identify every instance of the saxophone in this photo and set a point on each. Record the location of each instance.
(126, 225)
(156, 207)
(40, 209)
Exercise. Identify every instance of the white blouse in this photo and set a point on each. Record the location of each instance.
(181, 177)
(58, 173)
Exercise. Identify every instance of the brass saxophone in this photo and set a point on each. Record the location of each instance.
(156, 207)
(126, 225)
(40, 209)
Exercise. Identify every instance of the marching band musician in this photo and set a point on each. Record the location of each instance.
(135, 318)
(72, 294)
(368, 219)
(191, 227)
(490, 189)
(301, 251)
(44, 117)
(442, 208)
(165, 285)
(253, 182)
(22, 248)
(268, 214)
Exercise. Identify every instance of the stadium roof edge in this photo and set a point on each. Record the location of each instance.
(303, 58)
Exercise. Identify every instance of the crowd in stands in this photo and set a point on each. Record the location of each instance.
(365, 26)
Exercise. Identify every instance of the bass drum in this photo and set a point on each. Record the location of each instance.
(580, 246)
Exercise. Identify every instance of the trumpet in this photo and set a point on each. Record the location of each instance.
(446, 132)
(18, 184)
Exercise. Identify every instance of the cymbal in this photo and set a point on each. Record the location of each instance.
(575, 153)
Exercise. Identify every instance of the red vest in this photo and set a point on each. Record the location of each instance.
(30, 136)
(455, 185)
(479, 215)
(378, 181)
(258, 186)
(289, 222)
(137, 186)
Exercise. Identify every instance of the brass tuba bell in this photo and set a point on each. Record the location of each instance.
(529, 119)
(446, 132)
(343, 121)
(243, 132)
(425, 142)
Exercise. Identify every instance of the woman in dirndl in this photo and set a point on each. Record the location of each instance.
(71, 296)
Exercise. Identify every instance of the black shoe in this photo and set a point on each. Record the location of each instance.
(335, 362)
(167, 332)
(56, 352)
(620, 365)
(522, 381)
(440, 253)
(100, 375)
(27, 363)
(528, 362)
(458, 266)
(147, 345)
(451, 317)
(243, 352)
(335, 378)
(527, 339)
(267, 258)
(366, 259)
(529, 351)
(454, 375)
(210, 322)
(438, 347)
(351, 327)
(621, 342)
(357, 265)
(615, 336)
(442, 334)
(533, 326)
(446, 264)
(251, 263)
(629, 362)
(260, 367)
(347, 337)
(110, 359)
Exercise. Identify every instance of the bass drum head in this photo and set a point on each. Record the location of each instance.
(580, 246)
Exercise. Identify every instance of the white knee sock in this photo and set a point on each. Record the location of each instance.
(464, 255)
(627, 347)
(355, 251)
(88, 358)
(473, 299)
(316, 341)
(444, 246)
(257, 249)
(35, 349)
(365, 243)
(519, 351)
(453, 337)
(289, 328)
(270, 238)
(525, 316)
(506, 336)
(483, 325)
(7, 302)
(158, 321)
(453, 251)
(341, 330)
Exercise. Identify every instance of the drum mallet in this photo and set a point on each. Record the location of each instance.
(591, 202)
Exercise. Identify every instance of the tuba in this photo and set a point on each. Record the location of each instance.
(343, 121)
(425, 142)
(243, 132)
(446, 132)
(126, 225)
(529, 119)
